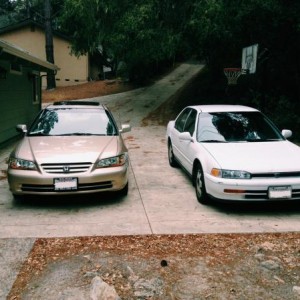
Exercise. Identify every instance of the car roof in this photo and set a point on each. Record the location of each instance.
(76, 104)
(222, 108)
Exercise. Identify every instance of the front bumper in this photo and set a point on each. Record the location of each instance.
(250, 189)
(35, 183)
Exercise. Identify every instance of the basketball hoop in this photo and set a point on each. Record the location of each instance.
(232, 75)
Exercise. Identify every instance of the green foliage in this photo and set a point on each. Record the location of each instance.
(12, 11)
(140, 40)
(221, 28)
(140, 33)
(7, 14)
(140, 36)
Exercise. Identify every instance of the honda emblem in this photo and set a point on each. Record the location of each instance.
(66, 169)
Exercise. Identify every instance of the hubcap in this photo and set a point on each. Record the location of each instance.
(170, 153)
(199, 183)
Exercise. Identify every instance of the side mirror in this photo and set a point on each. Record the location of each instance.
(21, 128)
(186, 136)
(286, 133)
(125, 128)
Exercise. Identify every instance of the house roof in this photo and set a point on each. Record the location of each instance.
(9, 51)
(32, 23)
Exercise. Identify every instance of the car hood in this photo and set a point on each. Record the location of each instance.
(68, 149)
(279, 156)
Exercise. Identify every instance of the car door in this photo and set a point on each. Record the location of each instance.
(175, 133)
(182, 143)
(187, 143)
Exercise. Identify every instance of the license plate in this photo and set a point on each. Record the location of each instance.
(279, 192)
(65, 184)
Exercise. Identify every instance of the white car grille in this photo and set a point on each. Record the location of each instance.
(263, 194)
(276, 175)
(66, 168)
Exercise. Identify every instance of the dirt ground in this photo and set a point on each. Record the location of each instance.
(86, 90)
(181, 267)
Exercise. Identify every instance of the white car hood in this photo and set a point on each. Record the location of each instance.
(64, 149)
(279, 156)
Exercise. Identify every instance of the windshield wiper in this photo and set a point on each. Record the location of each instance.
(37, 134)
(80, 134)
(213, 141)
(75, 133)
(260, 140)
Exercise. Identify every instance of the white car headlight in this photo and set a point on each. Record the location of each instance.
(230, 174)
(21, 164)
(115, 161)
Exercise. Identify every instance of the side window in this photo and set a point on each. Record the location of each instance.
(180, 121)
(190, 123)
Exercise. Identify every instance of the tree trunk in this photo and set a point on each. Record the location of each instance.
(49, 45)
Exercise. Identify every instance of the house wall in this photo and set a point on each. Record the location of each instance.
(72, 71)
(18, 103)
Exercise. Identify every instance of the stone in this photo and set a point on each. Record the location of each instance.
(100, 290)
(270, 265)
(296, 290)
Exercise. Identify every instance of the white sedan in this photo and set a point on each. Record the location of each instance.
(234, 152)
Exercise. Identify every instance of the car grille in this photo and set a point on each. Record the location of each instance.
(81, 187)
(263, 195)
(66, 168)
(276, 175)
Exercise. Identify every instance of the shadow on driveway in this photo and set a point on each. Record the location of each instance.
(68, 202)
(259, 208)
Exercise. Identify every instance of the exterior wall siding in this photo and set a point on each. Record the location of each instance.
(72, 71)
(17, 103)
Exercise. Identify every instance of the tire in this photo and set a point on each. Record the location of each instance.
(18, 198)
(172, 161)
(200, 185)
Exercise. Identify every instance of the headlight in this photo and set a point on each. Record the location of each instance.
(21, 164)
(115, 161)
(230, 174)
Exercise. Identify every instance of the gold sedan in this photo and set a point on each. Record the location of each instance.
(72, 147)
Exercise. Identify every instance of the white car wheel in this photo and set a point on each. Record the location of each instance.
(172, 161)
(200, 186)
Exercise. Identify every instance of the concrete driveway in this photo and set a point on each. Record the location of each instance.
(161, 199)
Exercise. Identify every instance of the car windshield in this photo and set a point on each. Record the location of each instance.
(236, 127)
(73, 121)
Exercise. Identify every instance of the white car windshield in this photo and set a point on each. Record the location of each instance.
(73, 121)
(236, 127)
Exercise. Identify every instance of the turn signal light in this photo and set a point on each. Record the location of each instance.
(234, 191)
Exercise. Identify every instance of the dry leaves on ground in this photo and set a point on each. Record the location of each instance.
(170, 257)
(86, 90)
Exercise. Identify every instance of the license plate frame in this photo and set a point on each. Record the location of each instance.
(65, 184)
(280, 192)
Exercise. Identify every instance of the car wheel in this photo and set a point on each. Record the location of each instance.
(200, 185)
(172, 161)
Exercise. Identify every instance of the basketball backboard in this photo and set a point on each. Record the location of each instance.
(249, 58)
